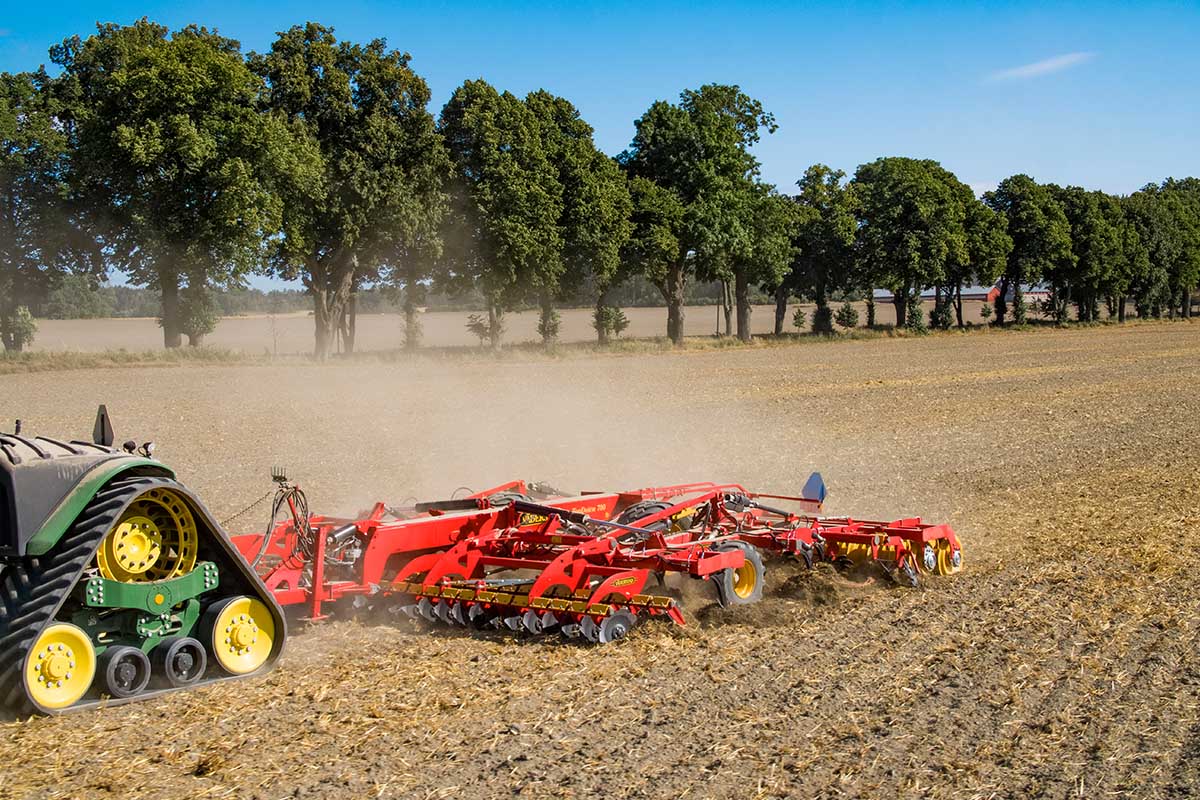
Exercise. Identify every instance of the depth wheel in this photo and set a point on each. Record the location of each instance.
(179, 660)
(155, 539)
(126, 671)
(239, 632)
(60, 666)
(744, 584)
(949, 558)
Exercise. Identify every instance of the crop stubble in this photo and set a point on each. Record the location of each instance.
(1059, 663)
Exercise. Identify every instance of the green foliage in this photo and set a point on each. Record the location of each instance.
(1041, 237)
(40, 232)
(198, 313)
(171, 148)
(486, 331)
(823, 259)
(985, 312)
(799, 320)
(941, 316)
(693, 182)
(363, 191)
(823, 319)
(847, 316)
(609, 320)
(549, 323)
(77, 297)
(912, 226)
(17, 329)
(914, 318)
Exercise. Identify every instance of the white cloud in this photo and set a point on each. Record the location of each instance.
(1044, 67)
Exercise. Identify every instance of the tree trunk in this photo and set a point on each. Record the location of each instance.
(781, 298)
(1001, 309)
(412, 326)
(330, 286)
(742, 288)
(900, 301)
(351, 317)
(958, 305)
(601, 321)
(1121, 309)
(549, 334)
(870, 308)
(727, 306)
(494, 324)
(673, 292)
(1018, 302)
(168, 282)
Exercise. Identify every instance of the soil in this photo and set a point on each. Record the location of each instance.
(1059, 663)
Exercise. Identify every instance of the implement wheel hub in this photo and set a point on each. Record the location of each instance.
(745, 578)
(243, 632)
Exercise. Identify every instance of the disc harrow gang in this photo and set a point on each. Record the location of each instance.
(528, 558)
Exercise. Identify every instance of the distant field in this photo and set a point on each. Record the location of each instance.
(293, 333)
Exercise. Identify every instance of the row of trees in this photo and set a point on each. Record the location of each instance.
(187, 165)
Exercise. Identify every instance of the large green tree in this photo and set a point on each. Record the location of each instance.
(824, 244)
(36, 229)
(507, 238)
(697, 152)
(1041, 237)
(988, 245)
(172, 155)
(1097, 245)
(912, 219)
(374, 196)
(594, 225)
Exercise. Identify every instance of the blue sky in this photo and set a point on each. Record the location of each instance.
(1103, 95)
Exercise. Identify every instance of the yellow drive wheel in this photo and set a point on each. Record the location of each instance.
(949, 559)
(240, 632)
(60, 666)
(155, 539)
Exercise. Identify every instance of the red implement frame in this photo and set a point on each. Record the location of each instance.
(498, 558)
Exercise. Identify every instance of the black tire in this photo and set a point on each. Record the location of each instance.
(124, 671)
(501, 499)
(744, 585)
(179, 661)
(647, 507)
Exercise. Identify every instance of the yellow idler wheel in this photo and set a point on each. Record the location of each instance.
(949, 560)
(155, 539)
(240, 633)
(60, 666)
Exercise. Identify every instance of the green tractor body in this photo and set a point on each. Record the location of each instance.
(116, 582)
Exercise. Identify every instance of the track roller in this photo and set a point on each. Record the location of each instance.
(179, 661)
(125, 671)
(240, 632)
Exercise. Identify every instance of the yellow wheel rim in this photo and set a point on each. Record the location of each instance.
(949, 561)
(745, 578)
(154, 540)
(60, 667)
(243, 634)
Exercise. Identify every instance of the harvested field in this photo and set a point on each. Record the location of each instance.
(1060, 663)
(287, 334)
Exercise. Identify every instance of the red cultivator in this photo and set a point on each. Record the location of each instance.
(524, 557)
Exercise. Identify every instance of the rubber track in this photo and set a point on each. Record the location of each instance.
(33, 589)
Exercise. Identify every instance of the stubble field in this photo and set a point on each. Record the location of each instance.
(1060, 663)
